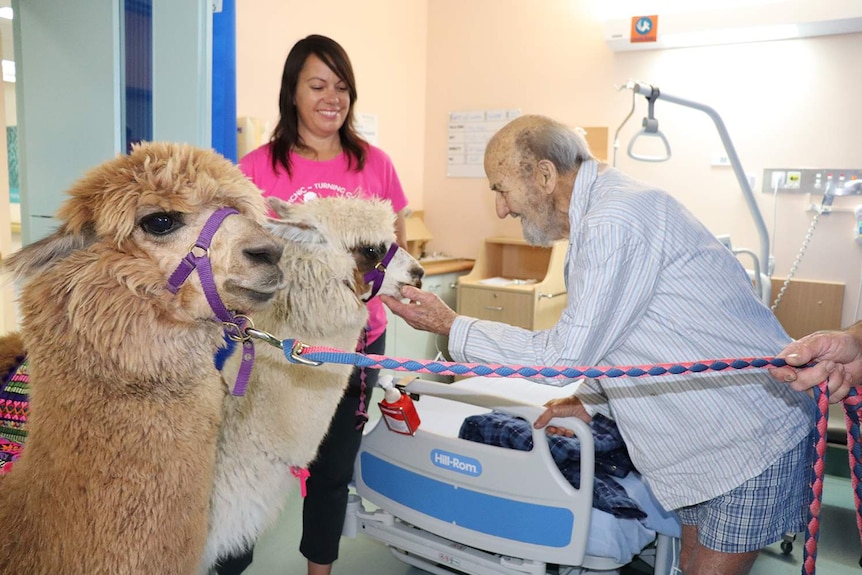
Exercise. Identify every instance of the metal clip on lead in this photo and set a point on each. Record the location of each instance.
(264, 336)
(296, 353)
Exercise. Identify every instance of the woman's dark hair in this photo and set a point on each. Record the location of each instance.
(286, 133)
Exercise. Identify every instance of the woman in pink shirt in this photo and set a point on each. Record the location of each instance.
(315, 152)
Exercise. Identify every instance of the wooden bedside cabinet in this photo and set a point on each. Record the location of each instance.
(516, 283)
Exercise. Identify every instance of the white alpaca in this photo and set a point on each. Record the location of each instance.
(280, 422)
(116, 475)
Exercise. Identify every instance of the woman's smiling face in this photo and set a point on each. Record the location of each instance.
(322, 100)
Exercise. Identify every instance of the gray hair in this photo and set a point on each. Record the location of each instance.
(550, 140)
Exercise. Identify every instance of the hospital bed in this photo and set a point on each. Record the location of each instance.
(447, 505)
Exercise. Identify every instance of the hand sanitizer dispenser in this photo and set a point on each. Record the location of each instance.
(397, 409)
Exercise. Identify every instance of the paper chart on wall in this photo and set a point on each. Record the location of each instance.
(468, 135)
(366, 125)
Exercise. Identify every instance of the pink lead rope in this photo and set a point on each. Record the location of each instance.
(851, 406)
(812, 528)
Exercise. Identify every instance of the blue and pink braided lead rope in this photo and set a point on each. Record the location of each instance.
(293, 348)
(851, 406)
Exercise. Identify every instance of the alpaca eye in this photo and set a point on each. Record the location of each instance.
(373, 253)
(161, 223)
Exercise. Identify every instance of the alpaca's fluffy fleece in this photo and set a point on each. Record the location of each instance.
(116, 475)
(282, 419)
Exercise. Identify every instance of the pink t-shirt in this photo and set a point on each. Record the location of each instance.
(312, 179)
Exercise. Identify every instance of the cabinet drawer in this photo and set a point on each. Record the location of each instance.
(507, 307)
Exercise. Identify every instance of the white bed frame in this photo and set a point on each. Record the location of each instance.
(426, 512)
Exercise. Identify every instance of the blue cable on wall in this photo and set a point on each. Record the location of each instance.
(224, 81)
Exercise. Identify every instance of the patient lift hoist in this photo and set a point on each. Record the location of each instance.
(761, 261)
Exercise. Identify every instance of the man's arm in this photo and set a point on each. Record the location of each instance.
(838, 355)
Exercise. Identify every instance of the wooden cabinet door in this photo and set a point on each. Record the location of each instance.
(497, 305)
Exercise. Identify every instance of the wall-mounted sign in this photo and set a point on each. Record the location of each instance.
(644, 29)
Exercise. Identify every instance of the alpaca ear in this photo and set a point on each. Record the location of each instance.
(296, 231)
(293, 222)
(296, 225)
(43, 254)
(279, 207)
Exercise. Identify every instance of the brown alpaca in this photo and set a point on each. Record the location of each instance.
(125, 406)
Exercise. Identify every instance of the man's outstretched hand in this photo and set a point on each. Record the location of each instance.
(424, 310)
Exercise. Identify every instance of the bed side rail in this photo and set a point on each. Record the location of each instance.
(501, 500)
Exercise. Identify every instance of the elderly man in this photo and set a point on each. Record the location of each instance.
(647, 283)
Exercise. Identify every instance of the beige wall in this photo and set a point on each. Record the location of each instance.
(786, 104)
(386, 41)
(541, 57)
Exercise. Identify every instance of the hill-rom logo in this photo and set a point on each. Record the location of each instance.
(455, 462)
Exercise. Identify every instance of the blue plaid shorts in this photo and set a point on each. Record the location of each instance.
(761, 510)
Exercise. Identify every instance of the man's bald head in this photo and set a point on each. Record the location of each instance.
(526, 139)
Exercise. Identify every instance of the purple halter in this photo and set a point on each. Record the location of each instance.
(198, 258)
(375, 277)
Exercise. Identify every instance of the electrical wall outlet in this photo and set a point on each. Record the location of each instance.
(794, 179)
(776, 178)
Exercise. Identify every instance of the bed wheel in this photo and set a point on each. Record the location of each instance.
(787, 543)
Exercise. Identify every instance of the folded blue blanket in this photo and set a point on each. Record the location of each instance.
(612, 459)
